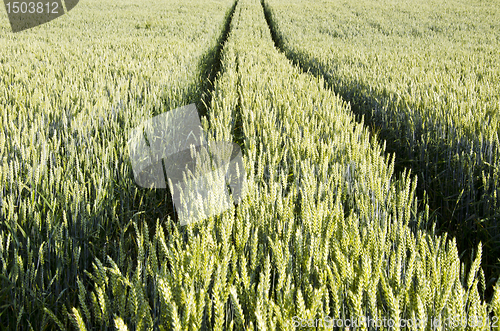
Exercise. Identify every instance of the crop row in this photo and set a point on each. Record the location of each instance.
(425, 75)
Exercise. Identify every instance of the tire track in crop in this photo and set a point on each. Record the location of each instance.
(211, 64)
(358, 108)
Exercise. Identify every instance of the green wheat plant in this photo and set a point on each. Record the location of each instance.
(425, 75)
(70, 92)
(327, 228)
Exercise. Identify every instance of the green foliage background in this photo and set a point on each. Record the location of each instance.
(425, 76)
(327, 228)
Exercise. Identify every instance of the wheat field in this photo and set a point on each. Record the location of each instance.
(333, 226)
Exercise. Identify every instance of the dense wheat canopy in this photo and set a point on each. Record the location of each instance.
(328, 228)
(70, 92)
(426, 74)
